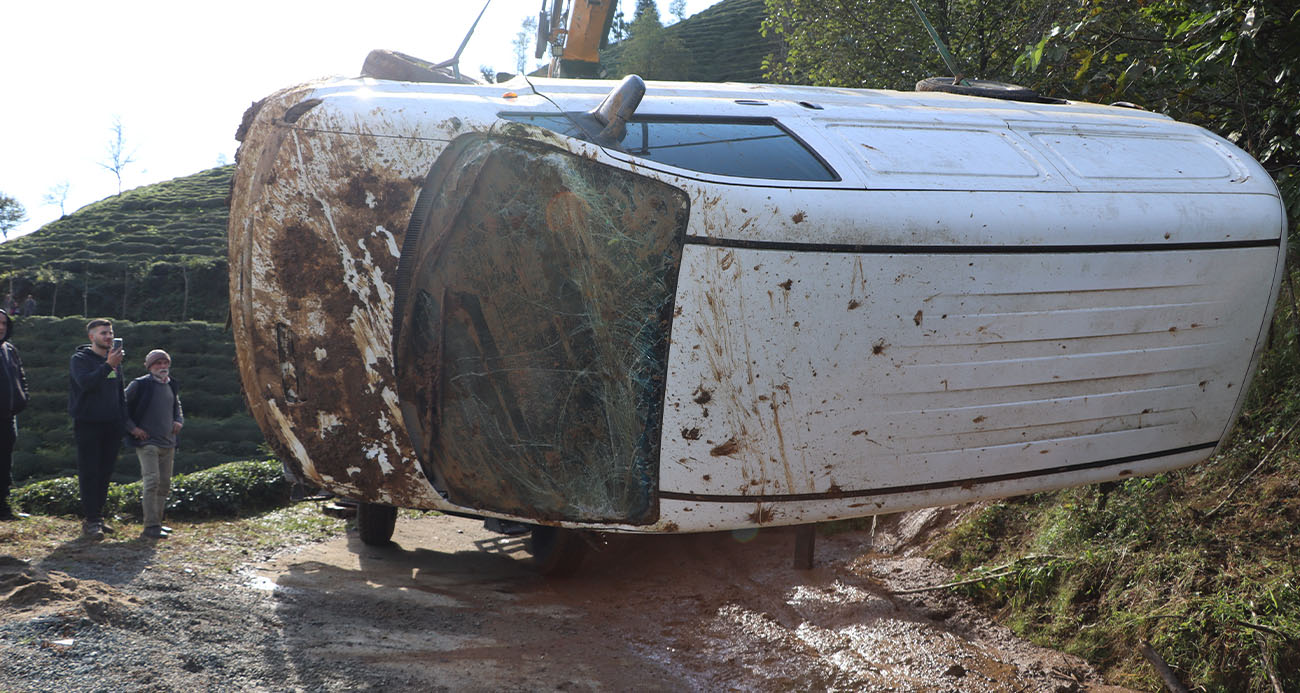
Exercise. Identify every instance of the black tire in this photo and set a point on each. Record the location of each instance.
(985, 88)
(557, 552)
(386, 64)
(375, 523)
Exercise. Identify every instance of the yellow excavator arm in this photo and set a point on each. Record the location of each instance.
(575, 32)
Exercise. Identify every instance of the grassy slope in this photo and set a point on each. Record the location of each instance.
(138, 243)
(724, 42)
(1203, 563)
(217, 429)
(140, 246)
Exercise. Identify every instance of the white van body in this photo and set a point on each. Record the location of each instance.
(958, 298)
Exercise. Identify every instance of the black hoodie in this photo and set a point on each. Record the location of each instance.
(13, 389)
(95, 388)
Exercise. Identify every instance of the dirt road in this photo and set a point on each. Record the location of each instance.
(453, 607)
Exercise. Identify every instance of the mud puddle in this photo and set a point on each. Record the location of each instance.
(453, 606)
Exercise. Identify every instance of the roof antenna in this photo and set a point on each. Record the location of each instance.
(454, 61)
(957, 76)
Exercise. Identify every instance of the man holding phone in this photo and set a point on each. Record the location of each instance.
(98, 409)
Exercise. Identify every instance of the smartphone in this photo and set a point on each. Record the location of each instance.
(117, 344)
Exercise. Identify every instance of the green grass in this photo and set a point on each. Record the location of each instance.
(217, 547)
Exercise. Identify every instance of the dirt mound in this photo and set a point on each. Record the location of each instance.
(27, 591)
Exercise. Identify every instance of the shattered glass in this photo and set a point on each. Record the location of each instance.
(533, 339)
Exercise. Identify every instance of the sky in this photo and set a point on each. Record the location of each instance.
(178, 76)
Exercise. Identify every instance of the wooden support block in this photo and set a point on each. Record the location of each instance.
(805, 539)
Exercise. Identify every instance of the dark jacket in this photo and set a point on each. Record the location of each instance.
(138, 395)
(13, 381)
(95, 388)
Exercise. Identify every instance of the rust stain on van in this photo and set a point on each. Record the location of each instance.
(314, 236)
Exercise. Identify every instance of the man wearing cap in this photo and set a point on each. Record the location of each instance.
(154, 419)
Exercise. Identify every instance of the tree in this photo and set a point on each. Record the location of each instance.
(187, 265)
(58, 195)
(523, 41)
(11, 214)
(1231, 67)
(677, 8)
(118, 156)
(618, 26)
(646, 9)
(649, 50)
(883, 44)
(56, 276)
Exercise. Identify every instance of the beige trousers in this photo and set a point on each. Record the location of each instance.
(156, 478)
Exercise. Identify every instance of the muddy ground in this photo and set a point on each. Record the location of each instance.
(453, 607)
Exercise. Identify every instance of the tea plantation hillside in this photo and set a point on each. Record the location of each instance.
(217, 425)
(154, 260)
(725, 43)
(157, 252)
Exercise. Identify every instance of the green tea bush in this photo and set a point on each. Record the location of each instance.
(230, 490)
(51, 497)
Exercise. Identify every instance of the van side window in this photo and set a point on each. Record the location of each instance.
(745, 148)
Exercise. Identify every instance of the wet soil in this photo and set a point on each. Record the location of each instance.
(451, 606)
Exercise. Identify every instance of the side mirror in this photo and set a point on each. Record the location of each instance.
(617, 108)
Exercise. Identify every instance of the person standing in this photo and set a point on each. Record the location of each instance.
(29, 305)
(97, 406)
(13, 384)
(154, 419)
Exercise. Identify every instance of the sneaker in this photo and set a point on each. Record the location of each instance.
(154, 532)
(93, 531)
(106, 529)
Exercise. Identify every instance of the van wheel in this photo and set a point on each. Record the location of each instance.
(375, 523)
(557, 552)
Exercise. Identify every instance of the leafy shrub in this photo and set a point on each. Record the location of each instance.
(232, 489)
(51, 497)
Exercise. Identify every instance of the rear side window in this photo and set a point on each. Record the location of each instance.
(749, 148)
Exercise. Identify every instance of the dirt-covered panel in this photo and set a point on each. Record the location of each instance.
(316, 224)
(535, 332)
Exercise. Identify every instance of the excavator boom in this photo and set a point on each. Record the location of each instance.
(575, 49)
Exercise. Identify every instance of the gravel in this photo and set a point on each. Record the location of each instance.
(88, 627)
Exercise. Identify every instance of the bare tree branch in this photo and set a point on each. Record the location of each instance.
(118, 156)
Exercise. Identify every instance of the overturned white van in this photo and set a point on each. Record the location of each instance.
(718, 306)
